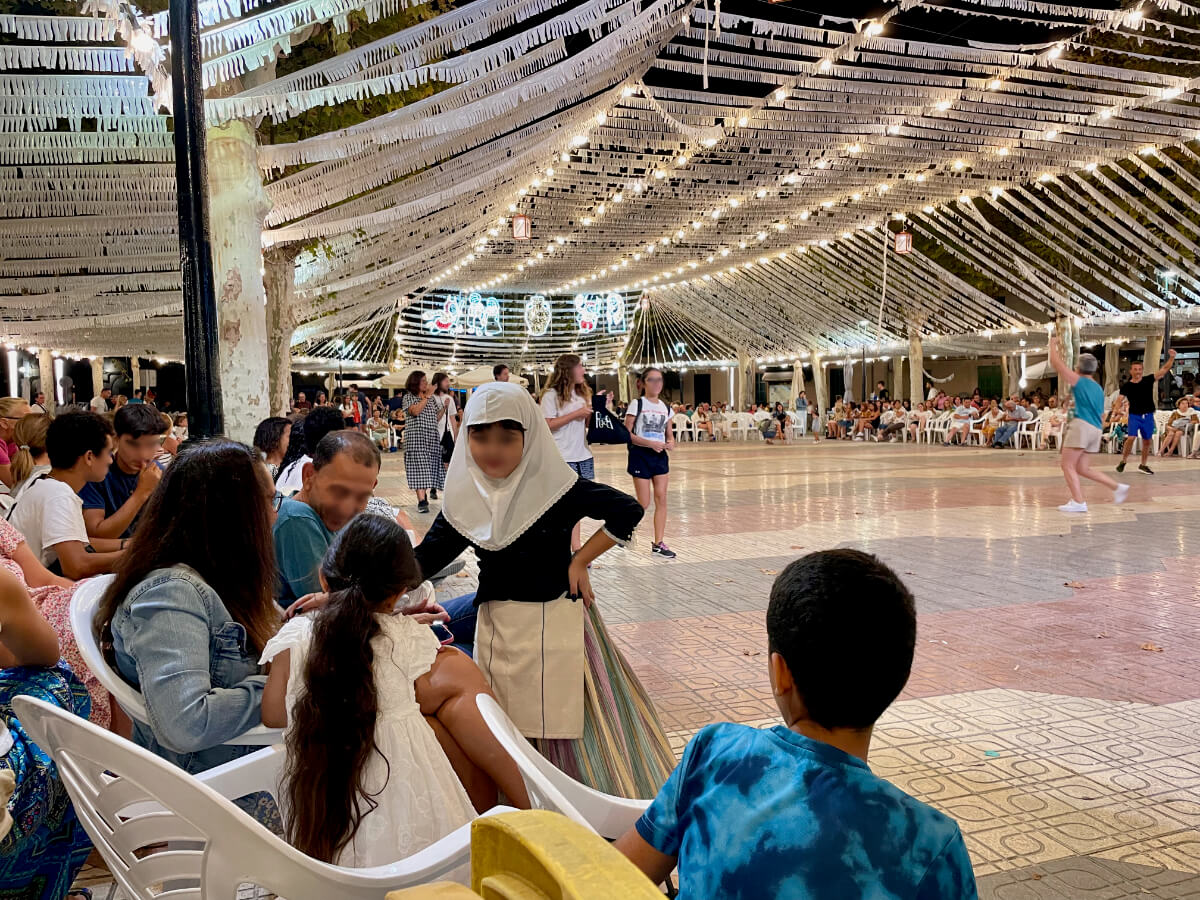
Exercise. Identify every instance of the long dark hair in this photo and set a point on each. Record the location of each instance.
(332, 729)
(211, 512)
(269, 433)
(437, 383)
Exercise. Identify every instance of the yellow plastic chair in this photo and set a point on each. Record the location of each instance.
(540, 855)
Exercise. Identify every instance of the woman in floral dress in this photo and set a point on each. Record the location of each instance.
(52, 596)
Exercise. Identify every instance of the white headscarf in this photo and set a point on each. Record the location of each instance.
(494, 512)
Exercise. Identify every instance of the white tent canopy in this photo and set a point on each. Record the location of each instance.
(481, 375)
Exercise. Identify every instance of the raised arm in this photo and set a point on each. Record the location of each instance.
(1064, 371)
(1166, 367)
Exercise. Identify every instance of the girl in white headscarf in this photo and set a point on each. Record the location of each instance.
(540, 639)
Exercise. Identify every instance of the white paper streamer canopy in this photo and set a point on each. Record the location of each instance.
(741, 164)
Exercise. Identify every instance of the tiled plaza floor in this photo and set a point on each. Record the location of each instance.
(1054, 706)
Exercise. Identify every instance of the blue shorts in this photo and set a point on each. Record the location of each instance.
(646, 463)
(585, 468)
(1141, 425)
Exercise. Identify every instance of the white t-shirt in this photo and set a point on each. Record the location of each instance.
(572, 437)
(451, 411)
(99, 404)
(48, 514)
(651, 421)
(291, 479)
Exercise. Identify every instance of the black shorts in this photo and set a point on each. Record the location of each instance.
(646, 463)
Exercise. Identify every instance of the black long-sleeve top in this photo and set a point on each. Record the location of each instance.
(533, 568)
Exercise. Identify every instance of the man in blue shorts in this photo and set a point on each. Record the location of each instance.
(1140, 392)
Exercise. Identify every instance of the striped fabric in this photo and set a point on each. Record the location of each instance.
(623, 750)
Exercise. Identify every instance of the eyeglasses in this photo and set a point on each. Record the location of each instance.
(277, 501)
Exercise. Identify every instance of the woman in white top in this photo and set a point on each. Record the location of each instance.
(566, 404)
(383, 735)
(651, 438)
(448, 422)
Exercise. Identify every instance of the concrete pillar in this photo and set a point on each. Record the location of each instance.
(46, 378)
(135, 372)
(916, 367)
(821, 381)
(898, 378)
(1010, 369)
(1112, 368)
(797, 382)
(238, 208)
(744, 383)
(97, 374)
(279, 283)
(1153, 357)
(623, 384)
(1062, 333)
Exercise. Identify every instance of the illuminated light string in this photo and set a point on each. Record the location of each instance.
(993, 82)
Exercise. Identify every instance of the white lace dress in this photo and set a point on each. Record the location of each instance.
(420, 799)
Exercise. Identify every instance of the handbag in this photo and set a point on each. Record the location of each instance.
(447, 446)
(603, 426)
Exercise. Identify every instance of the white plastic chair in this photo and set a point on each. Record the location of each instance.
(742, 426)
(129, 800)
(939, 426)
(1030, 430)
(84, 603)
(550, 788)
(683, 427)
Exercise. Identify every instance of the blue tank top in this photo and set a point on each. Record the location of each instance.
(1089, 401)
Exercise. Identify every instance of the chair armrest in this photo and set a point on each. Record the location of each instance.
(258, 771)
(610, 816)
(258, 736)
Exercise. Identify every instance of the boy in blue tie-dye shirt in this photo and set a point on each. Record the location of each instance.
(794, 813)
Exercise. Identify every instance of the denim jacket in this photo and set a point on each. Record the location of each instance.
(175, 641)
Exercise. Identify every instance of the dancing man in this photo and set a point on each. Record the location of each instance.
(1140, 391)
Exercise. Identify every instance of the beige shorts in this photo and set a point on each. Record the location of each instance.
(1083, 435)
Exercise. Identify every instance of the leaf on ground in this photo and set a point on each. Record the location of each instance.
(797, 546)
(751, 653)
(1153, 648)
(1102, 635)
(1075, 584)
(1036, 876)
(769, 572)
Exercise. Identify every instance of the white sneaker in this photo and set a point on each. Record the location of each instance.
(1073, 507)
(1120, 493)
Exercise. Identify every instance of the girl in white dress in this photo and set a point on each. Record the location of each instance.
(375, 711)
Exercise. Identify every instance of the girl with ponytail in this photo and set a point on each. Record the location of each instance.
(31, 459)
(386, 750)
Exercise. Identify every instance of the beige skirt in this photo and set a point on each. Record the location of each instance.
(532, 655)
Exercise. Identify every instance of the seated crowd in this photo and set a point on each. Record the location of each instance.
(239, 602)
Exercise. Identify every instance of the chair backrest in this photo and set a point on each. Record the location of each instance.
(130, 800)
(84, 603)
(536, 771)
(680, 421)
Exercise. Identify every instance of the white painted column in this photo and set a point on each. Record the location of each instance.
(238, 207)
(1112, 368)
(821, 380)
(135, 372)
(1062, 332)
(623, 384)
(279, 284)
(1153, 357)
(898, 378)
(46, 378)
(744, 382)
(916, 367)
(97, 374)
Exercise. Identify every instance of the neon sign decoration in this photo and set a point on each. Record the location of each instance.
(593, 311)
(465, 315)
(537, 315)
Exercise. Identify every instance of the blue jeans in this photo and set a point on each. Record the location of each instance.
(1004, 434)
(462, 621)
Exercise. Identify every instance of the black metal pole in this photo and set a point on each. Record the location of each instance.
(205, 415)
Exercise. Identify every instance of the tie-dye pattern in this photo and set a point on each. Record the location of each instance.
(756, 813)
